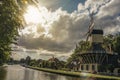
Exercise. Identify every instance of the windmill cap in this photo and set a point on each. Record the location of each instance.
(97, 31)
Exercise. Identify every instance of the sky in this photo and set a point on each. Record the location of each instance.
(56, 26)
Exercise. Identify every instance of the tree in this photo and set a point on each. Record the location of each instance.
(11, 20)
(22, 60)
(116, 44)
(112, 43)
(81, 47)
(28, 60)
(33, 62)
(108, 42)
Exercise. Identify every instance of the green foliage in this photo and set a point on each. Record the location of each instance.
(116, 44)
(32, 63)
(10, 21)
(81, 47)
(108, 42)
(28, 60)
(53, 64)
(112, 43)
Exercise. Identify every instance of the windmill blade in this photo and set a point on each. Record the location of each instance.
(90, 31)
(90, 28)
(91, 25)
(88, 35)
(87, 38)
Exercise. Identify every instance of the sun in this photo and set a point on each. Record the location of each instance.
(36, 17)
(32, 15)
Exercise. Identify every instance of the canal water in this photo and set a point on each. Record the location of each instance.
(17, 72)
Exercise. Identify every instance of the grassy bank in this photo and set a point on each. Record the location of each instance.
(76, 74)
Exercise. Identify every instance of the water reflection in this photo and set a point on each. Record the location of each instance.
(2, 74)
(16, 72)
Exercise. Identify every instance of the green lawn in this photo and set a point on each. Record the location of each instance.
(70, 73)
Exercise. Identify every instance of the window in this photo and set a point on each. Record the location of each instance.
(82, 67)
(87, 67)
(93, 67)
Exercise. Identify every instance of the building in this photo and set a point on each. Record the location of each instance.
(97, 59)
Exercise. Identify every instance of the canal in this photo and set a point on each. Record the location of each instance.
(17, 72)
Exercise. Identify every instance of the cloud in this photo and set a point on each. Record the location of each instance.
(106, 14)
(110, 10)
(108, 17)
(64, 30)
(21, 52)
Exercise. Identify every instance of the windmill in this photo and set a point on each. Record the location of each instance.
(95, 35)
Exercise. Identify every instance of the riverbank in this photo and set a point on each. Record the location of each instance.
(3, 66)
(76, 74)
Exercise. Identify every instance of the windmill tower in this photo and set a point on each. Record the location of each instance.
(95, 36)
(97, 56)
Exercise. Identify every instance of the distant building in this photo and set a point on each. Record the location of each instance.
(54, 63)
(97, 59)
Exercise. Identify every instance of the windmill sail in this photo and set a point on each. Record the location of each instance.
(91, 26)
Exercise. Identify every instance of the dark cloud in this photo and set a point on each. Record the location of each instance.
(45, 54)
(42, 43)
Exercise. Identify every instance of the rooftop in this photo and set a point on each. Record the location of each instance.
(97, 31)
